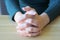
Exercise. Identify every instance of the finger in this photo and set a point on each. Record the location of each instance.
(19, 28)
(21, 33)
(22, 26)
(28, 29)
(27, 8)
(24, 33)
(35, 34)
(32, 22)
(26, 16)
(31, 12)
(29, 20)
(32, 29)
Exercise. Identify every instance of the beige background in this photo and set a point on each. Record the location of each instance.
(8, 31)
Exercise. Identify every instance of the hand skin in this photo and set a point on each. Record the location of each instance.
(36, 24)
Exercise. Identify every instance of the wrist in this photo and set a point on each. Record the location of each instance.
(45, 18)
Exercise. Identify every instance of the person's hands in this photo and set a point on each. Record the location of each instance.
(28, 27)
(31, 24)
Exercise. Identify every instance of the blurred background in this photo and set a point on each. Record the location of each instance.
(3, 10)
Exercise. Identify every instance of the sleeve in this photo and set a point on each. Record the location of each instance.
(12, 7)
(54, 9)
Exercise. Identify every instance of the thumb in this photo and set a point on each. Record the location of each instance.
(27, 8)
(31, 12)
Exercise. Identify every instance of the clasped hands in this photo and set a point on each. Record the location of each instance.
(28, 24)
